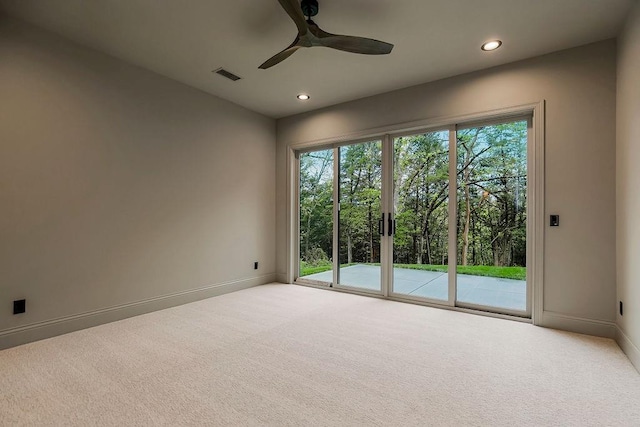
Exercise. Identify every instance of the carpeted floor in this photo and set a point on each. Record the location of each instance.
(290, 355)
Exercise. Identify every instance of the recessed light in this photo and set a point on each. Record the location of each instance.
(303, 97)
(491, 45)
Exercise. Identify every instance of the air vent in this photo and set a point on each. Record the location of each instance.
(227, 74)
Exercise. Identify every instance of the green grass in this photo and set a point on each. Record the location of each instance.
(306, 269)
(516, 273)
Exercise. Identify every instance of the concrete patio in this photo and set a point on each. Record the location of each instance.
(487, 291)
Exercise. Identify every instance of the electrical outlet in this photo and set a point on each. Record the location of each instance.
(621, 309)
(255, 265)
(554, 220)
(19, 306)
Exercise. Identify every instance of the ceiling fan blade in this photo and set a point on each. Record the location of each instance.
(292, 7)
(281, 56)
(351, 43)
(357, 45)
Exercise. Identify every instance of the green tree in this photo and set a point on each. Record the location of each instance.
(360, 193)
(492, 195)
(316, 205)
(421, 181)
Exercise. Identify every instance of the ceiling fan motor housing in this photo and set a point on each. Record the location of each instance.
(309, 7)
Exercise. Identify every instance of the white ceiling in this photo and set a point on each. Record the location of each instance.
(187, 39)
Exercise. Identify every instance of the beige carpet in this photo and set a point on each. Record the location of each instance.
(290, 355)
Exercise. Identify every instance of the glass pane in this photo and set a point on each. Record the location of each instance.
(316, 216)
(360, 195)
(421, 204)
(491, 219)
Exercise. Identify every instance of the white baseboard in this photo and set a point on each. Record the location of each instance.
(629, 348)
(282, 277)
(50, 328)
(599, 328)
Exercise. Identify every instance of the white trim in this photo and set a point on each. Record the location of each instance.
(466, 310)
(292, 214)
(452, 206)
(358, 289)
(418, 299)
(335, 250)
(417, 126)
(535, 236)
(363, 292)
(599, 328)
(628, 347)
(493, 309)
(49, 328)
(531, 213)
(386, 241)
(421, 301)
(295, 182)
(319, 283)
(535, 170)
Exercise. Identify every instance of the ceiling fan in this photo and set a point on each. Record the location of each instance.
(309, 35)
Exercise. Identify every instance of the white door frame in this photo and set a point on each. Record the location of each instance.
(535, 193)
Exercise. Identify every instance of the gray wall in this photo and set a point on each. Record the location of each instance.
(118, 185)
(579, 86)
(628, 185)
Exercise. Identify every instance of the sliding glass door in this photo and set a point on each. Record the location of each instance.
(421, 207)
(491, 217)
(316, 217)
(359, 210)
(438, 216)
(340, 242)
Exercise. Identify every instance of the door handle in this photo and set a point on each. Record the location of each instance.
(381, 226)
(390, 230)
